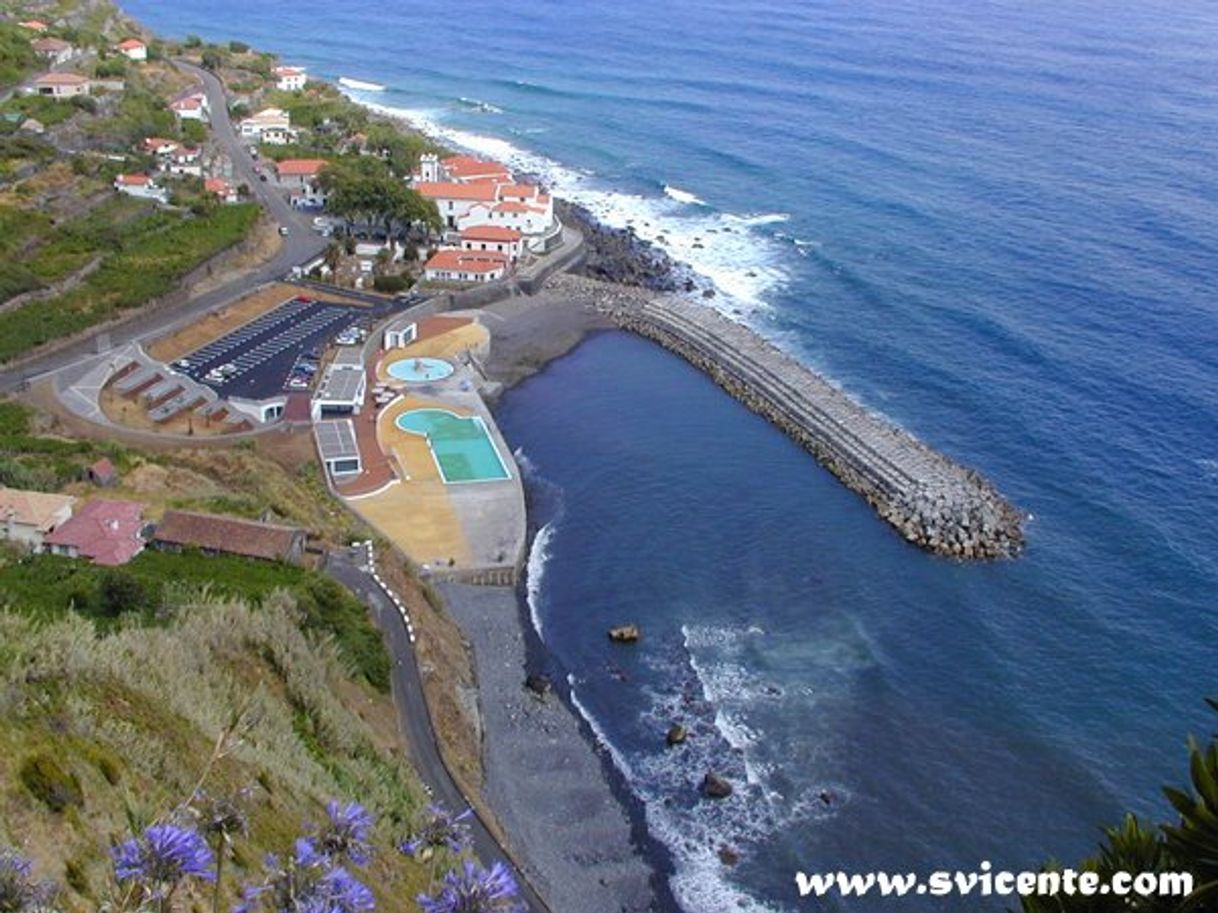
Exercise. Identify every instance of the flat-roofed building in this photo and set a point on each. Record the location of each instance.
(338, 448)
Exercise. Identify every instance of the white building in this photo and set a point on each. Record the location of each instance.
(465, 266)
(54, 51)
(465, 204)
(255, 125)
(61, 85)
(290, 79)
(191, 106)
(338, 447)
(142, 186)
(495, 238)
(225, 191)
(185, 161)
(133, 49)
(461, 169)
(27, 517)
(342, 388)
(300, 177)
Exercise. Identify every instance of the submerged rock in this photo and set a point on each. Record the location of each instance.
(676, 734)
(625, 634)
(727, 855)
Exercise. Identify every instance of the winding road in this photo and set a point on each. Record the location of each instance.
(301, 245)
(350, 568)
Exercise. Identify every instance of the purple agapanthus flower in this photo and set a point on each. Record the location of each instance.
(474, 889)
(19, 892)
(162, 858)
(307, 882)
(439, 830)
(344, 838)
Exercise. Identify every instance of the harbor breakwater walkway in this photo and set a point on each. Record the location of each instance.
(929, 498)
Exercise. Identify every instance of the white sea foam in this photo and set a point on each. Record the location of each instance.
(484, 106)
(360, 85)
(683, 196)
(744, 264)
(539, 557)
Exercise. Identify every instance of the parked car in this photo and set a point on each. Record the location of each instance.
(283, 230)
(182, 363)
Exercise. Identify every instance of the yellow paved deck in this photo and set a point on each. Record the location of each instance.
(416, 514)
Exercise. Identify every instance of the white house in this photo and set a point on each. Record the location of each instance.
(289, 79)
(465, 266)
(300, 176)
(61, 85)
(133, 49)
(494, 238)
(481, 195)
(461, 169)
(159, 146)
(278, 136)
(185, 160)
(223, 190)
(191, 105)
(28, 517)
(142, 186)
(254, 126)
(54, 51)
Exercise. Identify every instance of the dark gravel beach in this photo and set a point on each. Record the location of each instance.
(547, 784)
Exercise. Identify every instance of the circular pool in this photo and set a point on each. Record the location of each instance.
(420, 370)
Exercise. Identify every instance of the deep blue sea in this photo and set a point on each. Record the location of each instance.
(996, 223)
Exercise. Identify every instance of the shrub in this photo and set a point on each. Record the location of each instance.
(390, 284)
(49, 783)
(120, 591)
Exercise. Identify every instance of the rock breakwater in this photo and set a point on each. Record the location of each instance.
(930, 499)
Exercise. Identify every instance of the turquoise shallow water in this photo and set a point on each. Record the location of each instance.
(993, 222)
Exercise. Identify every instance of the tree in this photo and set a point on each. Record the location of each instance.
(193, 131)
(363, 190)
(120, 591)
(1189, 845)
(192, 41)
(238, 47)
(212, 59)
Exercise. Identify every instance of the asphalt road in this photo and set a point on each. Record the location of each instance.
(350, 569)
(301, 245)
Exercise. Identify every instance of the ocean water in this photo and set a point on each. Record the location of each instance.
(993, 222)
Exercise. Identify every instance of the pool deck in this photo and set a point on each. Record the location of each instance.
(471, 526)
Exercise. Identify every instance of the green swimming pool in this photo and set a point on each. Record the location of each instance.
(462, 447)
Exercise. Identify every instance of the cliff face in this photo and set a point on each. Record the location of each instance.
(99, 731)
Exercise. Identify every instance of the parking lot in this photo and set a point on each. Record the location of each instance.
(259, 359)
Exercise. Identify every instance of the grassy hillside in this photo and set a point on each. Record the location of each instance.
(102, 730)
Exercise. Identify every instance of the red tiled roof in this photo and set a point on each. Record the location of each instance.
(450, 190)
(189, 103)
(61, 79)
(468, 167)
(51, 45)
(490, 233)
(227, 534)
(300, 167)
(107, 532)
(130, 44)
(482, 261)
(288, 71)
(133, 180)
(34, 25)
(218, 185)
(517, 191)
(513, 207)
(153, 143)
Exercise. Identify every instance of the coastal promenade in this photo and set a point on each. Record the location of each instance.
(930, 499)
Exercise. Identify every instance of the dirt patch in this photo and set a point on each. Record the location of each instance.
(262, 245)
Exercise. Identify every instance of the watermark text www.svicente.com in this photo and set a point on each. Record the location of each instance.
(985, 882)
